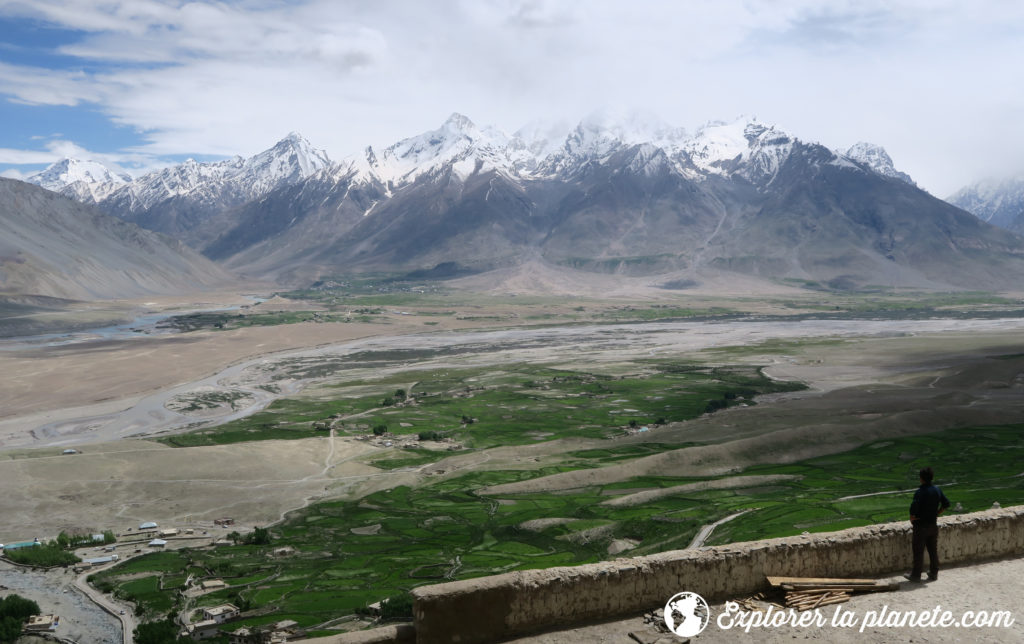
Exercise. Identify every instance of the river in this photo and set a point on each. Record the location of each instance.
(80, 619)
(143, 325)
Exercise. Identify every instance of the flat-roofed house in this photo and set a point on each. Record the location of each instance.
(37, 623)
(203, 630)
(221, 613)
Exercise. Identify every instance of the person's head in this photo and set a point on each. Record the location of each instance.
(926, 475)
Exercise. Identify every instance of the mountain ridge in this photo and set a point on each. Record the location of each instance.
(57, 247)
(635, 197)
(999, 202)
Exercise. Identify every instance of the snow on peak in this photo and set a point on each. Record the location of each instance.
(720, 147)
(85, 180)
(997, 201)
(458, 122)
(292, 159)
(743, 147)
(458, 142)
(604, 132)
(67, 171)
(877, 159)
(718, 142)
(632, 127)
(541, 138)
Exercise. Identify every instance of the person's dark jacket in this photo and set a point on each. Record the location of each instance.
(928, 501)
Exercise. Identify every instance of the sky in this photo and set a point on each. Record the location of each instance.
(138, 84)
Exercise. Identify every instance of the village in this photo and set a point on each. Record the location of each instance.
(198, 622)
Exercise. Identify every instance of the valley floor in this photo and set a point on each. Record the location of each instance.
(869, 382)
(117, 478)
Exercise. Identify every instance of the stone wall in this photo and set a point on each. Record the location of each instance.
(490, 609)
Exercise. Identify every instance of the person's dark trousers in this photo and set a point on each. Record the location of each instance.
(925, 536)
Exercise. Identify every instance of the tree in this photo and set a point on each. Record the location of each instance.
(380, 430)
(400, 394)
(715, 405)
(258, 537)
(10, 629)
(18, 607)
(162, 632)
(45, 556)
(396, 608)
(14, 610)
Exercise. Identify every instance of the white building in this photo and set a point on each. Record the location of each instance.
(221, 614)
(203, 630)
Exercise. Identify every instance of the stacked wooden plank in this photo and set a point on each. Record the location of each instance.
(808, 593)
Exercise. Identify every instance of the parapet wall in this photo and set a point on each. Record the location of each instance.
(491, 609)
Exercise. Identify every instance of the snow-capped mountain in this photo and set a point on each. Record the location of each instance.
(83, 180)
(746, 146)
(292, 159)
(600, 135)
(179, 199)
(999, 202)
(458, 144)
(876, 158)
(743, 147)
(613, 193)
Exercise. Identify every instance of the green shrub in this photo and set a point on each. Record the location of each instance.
(45, 556)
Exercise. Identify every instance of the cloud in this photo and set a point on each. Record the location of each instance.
(13, 173)
(56, 149)
(231, 78)
(25, 157)
(39, 86)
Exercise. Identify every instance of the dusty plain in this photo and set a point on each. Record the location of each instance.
(884, 378)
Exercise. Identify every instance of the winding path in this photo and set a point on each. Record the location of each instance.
(705, 531)
(125, 614)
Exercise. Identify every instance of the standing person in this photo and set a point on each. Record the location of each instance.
(929, 502)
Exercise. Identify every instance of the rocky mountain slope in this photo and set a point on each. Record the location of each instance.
(876, 158)
(180, 200)
(1000, 203)
(53, 246)
(630, 195)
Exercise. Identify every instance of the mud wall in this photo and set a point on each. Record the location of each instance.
(490, 609)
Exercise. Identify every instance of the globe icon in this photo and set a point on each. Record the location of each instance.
(686, 614)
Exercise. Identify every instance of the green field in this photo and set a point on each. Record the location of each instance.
(369, 298)
(516, 405)
(450, 529)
